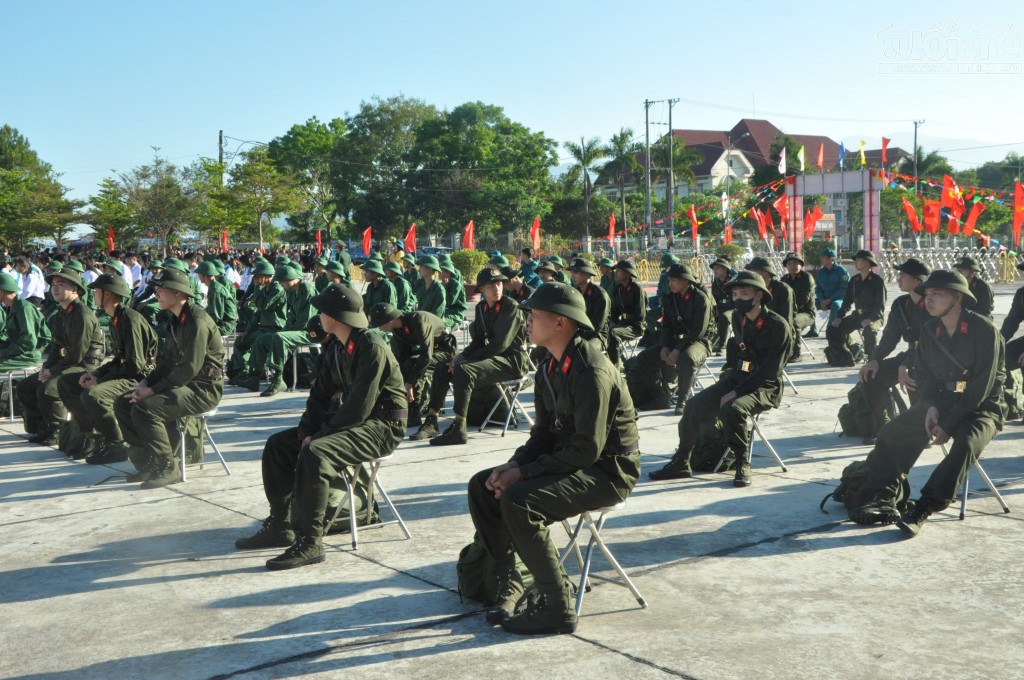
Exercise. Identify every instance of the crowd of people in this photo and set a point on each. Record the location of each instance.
(128, 345)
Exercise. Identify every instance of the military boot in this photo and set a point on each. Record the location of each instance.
(677, 468)
(415, 420)
(143, 463)
(912, 522)
(882, 510)
(91, 443)
(249, 382)
(551, 614)
(510, 591)
(454, 435)
(166, 471)
(114, 452)
(276, 385)
(427, 430)
(742, 477)
(658, 403)
(303, 551)
(45, 437)
(342, 523)
(681, 403)
(275, 533)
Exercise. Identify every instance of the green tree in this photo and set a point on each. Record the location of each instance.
(622, 152)
(584, 157)
(110, 208)
(162, 198)
(258, 189)
(769, 172)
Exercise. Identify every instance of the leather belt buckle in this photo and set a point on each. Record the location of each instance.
(960, 386)
(746, 366)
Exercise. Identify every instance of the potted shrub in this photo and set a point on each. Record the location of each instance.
(469, 263)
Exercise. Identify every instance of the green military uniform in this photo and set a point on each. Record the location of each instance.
(456, 303)
(583, 453)
(754, 374)
(221, 301)
(405, 300)
(433, 299)
(596, 301)
(906, 318)
(321, 281)
(381, 290)
(959, 374)
(162, 317)
(629, 312)
(804, 311)
(188, 380)
(1014, 348)
(134, 345)
(411, 274)
(271, 350)
(686, 327)
(560, 275)
(980, 288)
(269, 306)
(76, 345)
(368, 424)
(25, 332)
(145, 302)
(867, 293)
(723, 304)
(607, 282)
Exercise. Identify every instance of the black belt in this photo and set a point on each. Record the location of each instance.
(954, 387)
(746, 366)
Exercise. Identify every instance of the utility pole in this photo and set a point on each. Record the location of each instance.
(647, 168)
(670, 190)
(917, 123)
(220, 156)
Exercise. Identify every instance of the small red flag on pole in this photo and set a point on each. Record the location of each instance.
(224, 240)
(821, 156)
(468, 241)
(367, 238)
(908, 208)
(976, 210)
(932, 216)
(1018, 212)
(110, 238)
(410, 239)
(692, 214)
(885, 145)
(319, 242)
(535, 233)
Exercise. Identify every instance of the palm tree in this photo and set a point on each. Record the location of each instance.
(622, 151)
(584, 156)
(683, 160)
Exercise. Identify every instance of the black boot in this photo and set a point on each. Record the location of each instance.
(677, 468)
(415, 420)
(912, 522)
(275, 533)
(45, 437)
(427, 430)
(303, 551)
(454, 435)
(551, 614)
(165, 471)
(742, 477)
(91, 443)
(276, 385)
(882, 510)
(114, 452)
(510, 591)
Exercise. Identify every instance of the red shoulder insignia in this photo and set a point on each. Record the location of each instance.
(566, 364)
(350, 347)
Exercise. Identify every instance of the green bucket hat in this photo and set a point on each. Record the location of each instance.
(792, 256)
(75, 266)
(155, 264)
(52, 268)
(489, 274)
(287, 272)
(545, 265)
(947, 280)
(582, 265)
(393, 267)
(374, 267)
(761, 264)
(914, 267)
(263, 269)
(606, 262)
(556, 260)
(561, 299)
(511, 273)
(429, 261)
(115, 284)
(172, 279)
(282, 260)
(173, 263)
(336, 267)
(221, 267)
(322, 261)
(627, 266)
(340, 302)
(722, 262)
(7, 283)
(115, 265)
(207, 268)
(72, 276)
(445, 261)
(668, 259)
(498, 261)
(682, 271)
(381, 313)
(751, 279)
(375, 255)
(968, 262)
(410, 258)
(866, 255)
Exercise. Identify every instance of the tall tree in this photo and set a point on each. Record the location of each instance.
(162, 198)
(622, 152)
(584, 155)
(257, 188)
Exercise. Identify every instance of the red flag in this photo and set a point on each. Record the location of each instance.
(821, 156)
(224, 240)
(782, 206)
(908, 208)
(611, 230)
(367, 237)
(952, 226)
(468, 242)
(692, 214)
(535, 233)
(932, 215)
(811, 222)
(1018, 212)
(976, 210)
(110, 238)
(410, 239)
(728, 234)
(319, 243)
(767, 214)
(761, 230)
(951, 197)
(885, 145)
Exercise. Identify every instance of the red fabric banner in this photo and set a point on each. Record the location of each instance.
(952, 226)
(410, 239)
(468, 241)
(224, 241)
(781, 205)
(811, 222)
(908, 208)
(535, 233)
(319, 242)
(110, 238)
(885, 145)
(1018, 212)
(821, 156)
(611, 230)
(367, 239)
(932, 215)
(692, 214)
(976, 210)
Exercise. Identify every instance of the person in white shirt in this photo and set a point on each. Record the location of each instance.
(33, 288)
(132, 260)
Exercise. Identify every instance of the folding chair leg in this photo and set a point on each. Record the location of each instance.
(991, 486)
(181, 449)
(790, 381)
(391, 507)
(595, 537)
(775, 454)
(803, 341)
(216, 449)
(10, 394)
(490, 413)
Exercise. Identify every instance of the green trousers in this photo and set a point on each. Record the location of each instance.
(901, 442)
(647, 373)
(41, 404)
(619, 335)
(18, 362)
(94, 408)
(519, 520)
(705, 406)
(465, 376)
(271, 350)
(243, 349)
(144, 424)
(840, 340)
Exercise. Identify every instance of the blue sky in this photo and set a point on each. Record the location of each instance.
(95, 85)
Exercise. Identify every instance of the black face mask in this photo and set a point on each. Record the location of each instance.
(742, 305)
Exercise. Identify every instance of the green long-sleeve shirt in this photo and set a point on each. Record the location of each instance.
(497, 331)
(25, 332)
(765, 346)
(326, 393)
(803, 288)
(222, 306)
(134, 344)
(687, 318)
(868, 294)
(300, 309)
(192, 354)
(629, 307)
(405, 300)
(415, 342)
(455, 302)
(432, 299)
(380, 291)
(76, 340)
(269, 308)
(584, 417)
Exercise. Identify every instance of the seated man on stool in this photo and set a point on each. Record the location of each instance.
(629, 310)
(368, 424)
(583, 453)
(496, 353)
(865, 293)
(188, 380)
(90, 396)
(751, 386)
(76, 346)
(25, 331)
(802, 285)
(830, 287)
(959, 373)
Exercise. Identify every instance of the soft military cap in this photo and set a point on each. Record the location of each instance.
(115, 284)
(866, 255)
(828, 251)
(287, 273)
(489, 275)
(947, 280)
(761, 264)
(7, 283)
(381, 313)
(207, 269)
(582, 265)
(749, 279)
(315, 330)
(340, 302)
(172, 279)
(792, 256)
(559, 298)
(914, 267)
(682, 271)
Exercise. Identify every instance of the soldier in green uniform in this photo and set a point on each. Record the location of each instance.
(559, 265)
(221, 301)
(90, 395)
(271, 350)
(188, 380)
(336, 273)
(607, 268)
(454, 293)
(378, 286)
(174, 263)
(629, 310)
(268, 306)
(907, 316)
(410, 271)
(320, 280)
(804, 310)
(404, 299)
(958, 374)
(420, 343)
(25, 333)
(750, 385)
(583, 453)
(368, 424)
(723, 271)
(517, 289)
(1014, 348)
(50, 305)
(686, 336)
(598, 305)
(497, 352)
(430, 293)
(654, 304)
(866, 292)
(76, 345)
(546, 272)
(145, 301)
(980, 288)
(782, 295)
